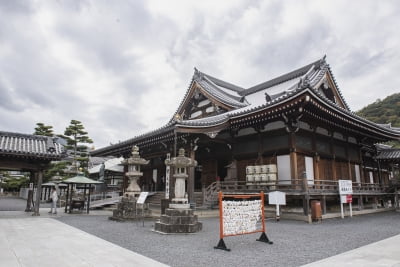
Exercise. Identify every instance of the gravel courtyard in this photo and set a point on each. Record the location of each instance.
(295, 243)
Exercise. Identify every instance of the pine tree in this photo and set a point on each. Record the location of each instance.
(42, 129)
(77, 137)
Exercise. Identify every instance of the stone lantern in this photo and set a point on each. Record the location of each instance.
(126, 208)
(181, 165)
(179, 217)
(134, 173)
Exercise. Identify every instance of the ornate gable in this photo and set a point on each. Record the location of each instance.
(200, 105)
(327, 87)
(208, 96)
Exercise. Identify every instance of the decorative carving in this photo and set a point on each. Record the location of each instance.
(212, 134)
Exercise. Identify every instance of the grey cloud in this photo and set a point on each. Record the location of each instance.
(361, 61)
(105, 42)
(16, 6)
(7, 100)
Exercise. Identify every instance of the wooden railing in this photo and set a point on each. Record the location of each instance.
(299, 186)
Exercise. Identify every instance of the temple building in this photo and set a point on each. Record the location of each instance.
(298, 122)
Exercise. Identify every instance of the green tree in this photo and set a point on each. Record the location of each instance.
(384, 111)
(55, 169)
(42, 129)
(77, 137)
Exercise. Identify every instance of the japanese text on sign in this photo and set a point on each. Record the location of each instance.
(241, 217)
(345, 187)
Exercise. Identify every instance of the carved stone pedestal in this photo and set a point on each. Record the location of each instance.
(126, 210)
(176, 221)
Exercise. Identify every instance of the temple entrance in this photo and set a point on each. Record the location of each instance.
(222, 169)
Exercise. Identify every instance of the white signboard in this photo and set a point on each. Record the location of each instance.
(277, 198)
(240, 217)
(345, 187)
(142, 197)
(167, 174)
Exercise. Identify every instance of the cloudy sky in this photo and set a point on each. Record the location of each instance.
(122, 67)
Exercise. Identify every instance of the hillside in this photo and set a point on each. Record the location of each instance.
(383, 111)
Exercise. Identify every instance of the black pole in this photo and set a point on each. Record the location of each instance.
(70, 198)
(66, 199)
(88, 202)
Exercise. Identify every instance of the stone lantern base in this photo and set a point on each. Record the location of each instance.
(126, 210)
(176, 221)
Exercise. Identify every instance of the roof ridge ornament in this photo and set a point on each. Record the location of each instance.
(304, 82)
(198, 74)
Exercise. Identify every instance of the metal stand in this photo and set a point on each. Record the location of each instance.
(221, 245)
(264, 238)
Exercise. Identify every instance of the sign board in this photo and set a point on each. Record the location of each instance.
(167, 175)
(142, 197)
(346, 199)
(30, 186)
(345, 187)
(277, 198)
(349, 198)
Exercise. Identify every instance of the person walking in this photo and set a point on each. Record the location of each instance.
(54, 198)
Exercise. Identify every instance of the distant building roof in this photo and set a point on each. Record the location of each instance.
(80, 179)
(389, 154)
(113, 164)
(30, 146)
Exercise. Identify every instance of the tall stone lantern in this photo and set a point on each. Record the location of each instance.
(134, 173)
(126, 208)
(180, 164)
(179, 217)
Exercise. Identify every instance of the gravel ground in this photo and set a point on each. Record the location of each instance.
(295, 243)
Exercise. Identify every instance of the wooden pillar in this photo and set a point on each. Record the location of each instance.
(362, 177)
(306, 204)
(316, 157)
(29, 200)
(190, 189)
(293, 157)
(38, 193)
(334, 177)
(316, 167)
(360, 203)
(323, 204)
(70, 198)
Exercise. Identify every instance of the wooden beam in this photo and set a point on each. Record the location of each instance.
(190, 185)
(293, 157)
(38, 193)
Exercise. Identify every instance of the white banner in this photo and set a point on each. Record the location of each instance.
(167, 175)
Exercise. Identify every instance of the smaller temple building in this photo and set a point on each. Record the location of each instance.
(29, 153)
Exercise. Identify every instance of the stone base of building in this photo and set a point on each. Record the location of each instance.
(178, 221)
(127, 211)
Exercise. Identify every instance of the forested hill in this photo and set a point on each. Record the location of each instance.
(383, 111)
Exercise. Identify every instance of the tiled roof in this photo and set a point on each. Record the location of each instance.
(213, 89)
(389, 154)
(207, 121)
(262, 96)
(31, 146)
(283, 78)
